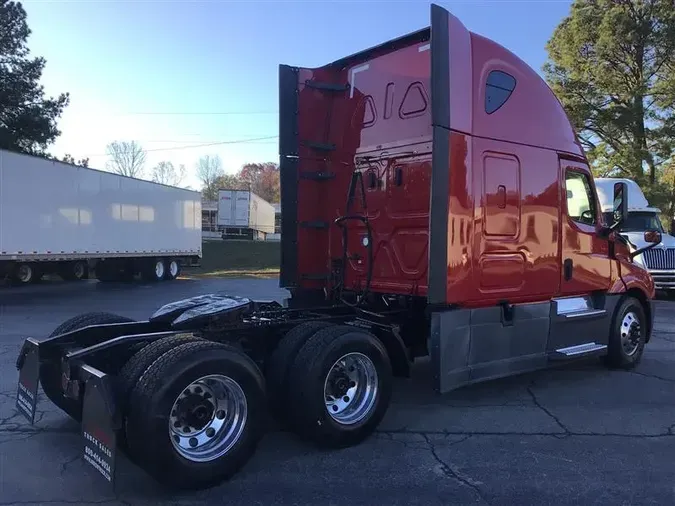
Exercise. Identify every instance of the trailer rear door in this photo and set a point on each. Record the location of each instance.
(225, 208)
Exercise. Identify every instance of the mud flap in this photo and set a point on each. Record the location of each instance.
(29, 378)
(99, 423)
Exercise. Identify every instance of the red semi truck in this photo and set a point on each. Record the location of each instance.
(436, 202)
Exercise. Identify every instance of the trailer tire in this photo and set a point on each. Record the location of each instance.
(279, 368)
(368, 364)
(627, 336)
(50, 372)
(152, 408)
(74, 271)
(172, 269)
(25, 274)
(153, 270)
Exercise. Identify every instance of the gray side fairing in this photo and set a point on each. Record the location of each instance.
(191, 312)
(475, 345)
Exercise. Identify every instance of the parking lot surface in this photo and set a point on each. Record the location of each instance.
(579, 434)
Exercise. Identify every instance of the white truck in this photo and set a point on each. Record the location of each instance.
(57, 218)
(660, 260)
(243, 214)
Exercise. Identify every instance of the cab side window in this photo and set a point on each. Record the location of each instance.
(580, 201)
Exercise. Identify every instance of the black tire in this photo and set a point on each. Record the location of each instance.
(279, 365)
(629, 356)
(152, 399)
(50, 372)
(173, 268)
(25, 274)
(310, 369)
(132, 371)
(74, 271)
(153, 270)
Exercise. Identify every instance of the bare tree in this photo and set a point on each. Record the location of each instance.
(166, 173)
(126, 158)
(209, 170)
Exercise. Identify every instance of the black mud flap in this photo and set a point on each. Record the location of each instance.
(99, 423)
(28, 364)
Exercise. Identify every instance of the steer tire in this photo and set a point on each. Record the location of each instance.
(151, 406)
(630, 315)
(311, 418)
(50, 371)
(279, 368)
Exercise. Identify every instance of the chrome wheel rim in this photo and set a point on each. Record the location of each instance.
(173, 268)
(351, 388)
(208, 418)
(630, 333)
(159, 269)
(24, 273)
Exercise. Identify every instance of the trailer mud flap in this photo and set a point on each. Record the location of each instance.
(29, 378)
(99, 423)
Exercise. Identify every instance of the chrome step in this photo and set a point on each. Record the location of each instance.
(585, 313)
(580, 349)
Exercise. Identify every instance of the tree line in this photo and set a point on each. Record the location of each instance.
(610, 62)
(128, 159)
(612, 65)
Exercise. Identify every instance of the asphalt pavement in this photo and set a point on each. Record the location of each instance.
(579, 434)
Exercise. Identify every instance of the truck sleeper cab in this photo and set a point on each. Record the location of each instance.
(435, 201)
(440, 169)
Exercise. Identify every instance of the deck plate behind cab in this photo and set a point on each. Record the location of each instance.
(188, 312)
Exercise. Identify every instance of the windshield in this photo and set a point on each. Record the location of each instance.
(638, 222)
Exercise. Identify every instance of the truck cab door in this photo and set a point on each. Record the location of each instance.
(579, 319)
(586, 266)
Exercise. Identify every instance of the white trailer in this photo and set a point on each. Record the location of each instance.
(60, 218)
(242, 213)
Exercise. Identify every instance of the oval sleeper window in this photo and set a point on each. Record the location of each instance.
(498, 89)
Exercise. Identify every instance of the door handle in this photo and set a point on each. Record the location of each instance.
(568, 265)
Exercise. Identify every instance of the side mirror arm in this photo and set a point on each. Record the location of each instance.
(642, 250)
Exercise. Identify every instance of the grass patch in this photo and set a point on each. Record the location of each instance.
(238, 259)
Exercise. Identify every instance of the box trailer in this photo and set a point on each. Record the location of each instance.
(60, 218)
(243, 214)
(454, 217)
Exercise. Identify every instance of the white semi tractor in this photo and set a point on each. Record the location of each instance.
(660, 260)
(58, 218)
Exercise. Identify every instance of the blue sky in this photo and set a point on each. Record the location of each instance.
(163, 72)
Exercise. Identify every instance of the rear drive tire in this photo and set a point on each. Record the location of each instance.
(50, 372)
(627, 336)
(173, 269)
(279, 367)
(219, 388)
(350, 366)
(132, 371)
